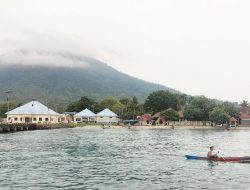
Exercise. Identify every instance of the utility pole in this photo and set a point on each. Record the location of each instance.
(8, 92)
(32, 112)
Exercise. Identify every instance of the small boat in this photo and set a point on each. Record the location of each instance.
(220, 159)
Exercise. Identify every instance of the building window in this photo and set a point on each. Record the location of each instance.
(9, 118)
(84, 119)
(110, 117)
(15, 118)
(34, 119)
(40, 119)
(46, 119)
(78, 119)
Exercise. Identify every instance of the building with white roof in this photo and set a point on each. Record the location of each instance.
(33, 112)
(107, 116)
(85, 116)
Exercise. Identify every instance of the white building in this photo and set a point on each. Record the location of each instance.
(85, 116)
(33, 112)
(67, 117)
(106, 116)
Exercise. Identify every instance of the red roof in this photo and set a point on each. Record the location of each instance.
(146, 117)
(244, 114)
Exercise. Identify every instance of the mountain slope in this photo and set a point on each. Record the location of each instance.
(37, 77)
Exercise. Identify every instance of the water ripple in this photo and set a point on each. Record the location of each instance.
(120, 159)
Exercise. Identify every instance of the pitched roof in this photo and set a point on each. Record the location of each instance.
(106, 113)
(85, 113)
(157, 114)
(33, 107)
(146, 117)
(232, 119)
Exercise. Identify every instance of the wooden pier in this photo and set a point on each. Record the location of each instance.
(5, 128)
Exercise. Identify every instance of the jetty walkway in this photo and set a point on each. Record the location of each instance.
(5, 128)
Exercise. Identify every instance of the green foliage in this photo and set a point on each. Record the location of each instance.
(193, 113)
(84, 102)
(218, 116)
(127, 108)
(170, 114)
(199, 108)
(67, 84)
(231, 109)
(182, 100)
(160, 100)
(4, 107)
(131, 108)
(244, 103)
(112, 104)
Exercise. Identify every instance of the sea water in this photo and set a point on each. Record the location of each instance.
(95, 158)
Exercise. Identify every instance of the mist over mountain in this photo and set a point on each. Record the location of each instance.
(59, 78)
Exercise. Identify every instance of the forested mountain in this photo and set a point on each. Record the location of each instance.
(60, 78)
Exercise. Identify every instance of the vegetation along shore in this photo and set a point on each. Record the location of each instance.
(160, 108)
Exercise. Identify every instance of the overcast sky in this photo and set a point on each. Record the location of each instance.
(198, 47)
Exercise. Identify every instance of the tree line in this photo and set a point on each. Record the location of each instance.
(195, 108)
(127, 108)
(4, 107)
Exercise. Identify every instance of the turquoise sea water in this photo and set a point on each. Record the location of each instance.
(93, 158)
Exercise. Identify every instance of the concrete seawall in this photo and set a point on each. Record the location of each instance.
(5, 128)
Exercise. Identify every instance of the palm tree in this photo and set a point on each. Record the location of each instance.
(244, 103)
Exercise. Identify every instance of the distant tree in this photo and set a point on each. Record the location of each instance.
(170, 114)
(135, 102)
(244, 103)
(4, 107)
(112, 104)
(182, 100)
(218, 116)
(131, 108)
(160, 100)
(125, 101)
(193, 113)
(231, 109)
(199, 108)
(83, 103)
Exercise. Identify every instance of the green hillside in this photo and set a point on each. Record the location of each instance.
(60, 85)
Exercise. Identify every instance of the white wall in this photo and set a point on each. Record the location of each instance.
(78, 119)
(106, 119)
(34, 118)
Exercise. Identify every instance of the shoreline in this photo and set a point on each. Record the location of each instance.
(162, 127)
(26, 127)
(7, 128)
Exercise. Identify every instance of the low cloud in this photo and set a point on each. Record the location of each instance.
(43, 58)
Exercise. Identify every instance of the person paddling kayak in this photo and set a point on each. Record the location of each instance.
(211, 154)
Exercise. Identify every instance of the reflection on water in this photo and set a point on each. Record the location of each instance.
(121, 159)
(212, 166)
